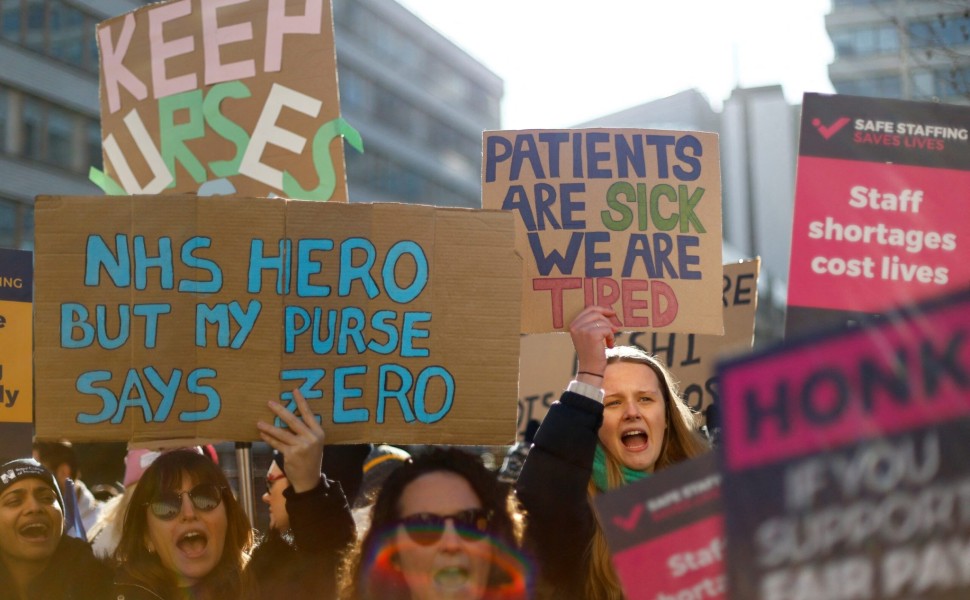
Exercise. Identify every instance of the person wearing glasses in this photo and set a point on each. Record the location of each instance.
(38, 560)
(442, 528)
(619, 420)
(308, 531)
(186, 537)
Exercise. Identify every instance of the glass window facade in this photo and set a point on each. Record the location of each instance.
(4, 128)
(384, 174)
(48, 133)
(395, 48)
(876, 87)
(952, 83)
(866, 41)
(52, 27)
(16, 224)
(942, 31)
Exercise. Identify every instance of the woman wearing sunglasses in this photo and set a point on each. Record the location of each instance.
(442, 528)
(619, 420)
(186, 537)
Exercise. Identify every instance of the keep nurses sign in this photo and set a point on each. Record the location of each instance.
(624, 218)
(182, 317)
(223, 97)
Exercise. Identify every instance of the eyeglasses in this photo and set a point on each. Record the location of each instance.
(427, 528)
(205, 497)
(271, 479)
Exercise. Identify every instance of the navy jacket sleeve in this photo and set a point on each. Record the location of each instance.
(320, 519)
(552, 489)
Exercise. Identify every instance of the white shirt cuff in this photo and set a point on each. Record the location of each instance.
(584, 389)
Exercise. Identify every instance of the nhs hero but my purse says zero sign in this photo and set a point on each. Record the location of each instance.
(240, 95)
(625, 218)
(181, 318)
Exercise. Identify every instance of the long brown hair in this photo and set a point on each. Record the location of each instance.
(226, 580)
(683, 442)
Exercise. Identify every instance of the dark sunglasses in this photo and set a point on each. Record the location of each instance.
(427, 528)
(205, 497)
(271, 479)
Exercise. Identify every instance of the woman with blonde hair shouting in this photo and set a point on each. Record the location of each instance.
(619, 420)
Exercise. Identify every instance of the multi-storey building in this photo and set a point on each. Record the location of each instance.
(419, 101)
(49, 113)
(906, 49)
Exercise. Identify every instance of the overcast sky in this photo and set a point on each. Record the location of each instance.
(565, 62)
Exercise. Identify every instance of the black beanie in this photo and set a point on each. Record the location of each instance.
(15, 470)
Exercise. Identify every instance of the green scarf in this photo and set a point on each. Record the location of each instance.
(599, 471)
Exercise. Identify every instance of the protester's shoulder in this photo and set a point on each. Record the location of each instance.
(90, 574)
(74, 573)
(77, 554)
(124, 587)
(273, 552)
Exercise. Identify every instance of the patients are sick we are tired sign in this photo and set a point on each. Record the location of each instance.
(625, 218)
(222, 97)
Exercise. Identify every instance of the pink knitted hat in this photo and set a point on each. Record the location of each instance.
(139, 459)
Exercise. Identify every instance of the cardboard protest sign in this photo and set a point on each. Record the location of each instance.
(879, 207)
(844, 461)
(222, 98)
(547, 361)
(16, 351)
(182, 318)
(666, 533)
(626, 218)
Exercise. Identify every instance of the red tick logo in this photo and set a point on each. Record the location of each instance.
(828, 131)
(629, 522)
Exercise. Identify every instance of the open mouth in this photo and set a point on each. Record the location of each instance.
(451, 578)
(635, 439)
(35, 531)
(193, 543)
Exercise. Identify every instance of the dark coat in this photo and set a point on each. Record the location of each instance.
(74, 573)
(322, 527)
(553, 490)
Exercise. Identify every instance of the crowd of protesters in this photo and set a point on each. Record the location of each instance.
(435, 525)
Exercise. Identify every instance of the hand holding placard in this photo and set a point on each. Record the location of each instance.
(301, 442)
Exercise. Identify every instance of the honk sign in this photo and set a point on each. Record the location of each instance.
(215, 97)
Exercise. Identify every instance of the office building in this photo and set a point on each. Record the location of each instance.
(49, 111)
(419, 102)
(905, 49)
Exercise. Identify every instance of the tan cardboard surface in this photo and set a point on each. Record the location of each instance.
(192, 92)
(628, 218)
(548, 361)
(370, 301)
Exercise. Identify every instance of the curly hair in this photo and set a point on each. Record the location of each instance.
(509, 571)
(227, 579)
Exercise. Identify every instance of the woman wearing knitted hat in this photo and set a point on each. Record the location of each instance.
(37, 560)
(619, 420)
